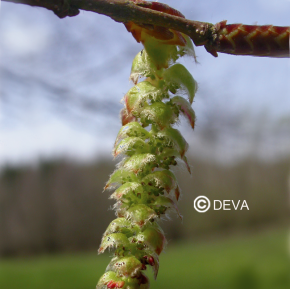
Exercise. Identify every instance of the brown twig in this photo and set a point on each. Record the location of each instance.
(125, 11)
(215, 38)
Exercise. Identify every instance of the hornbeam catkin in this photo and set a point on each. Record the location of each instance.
(144, 186)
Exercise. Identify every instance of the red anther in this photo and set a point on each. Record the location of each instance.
(120, 284)
(143, 267)
(111, 284)
(150, 260)
(143, 279)
(115, 285)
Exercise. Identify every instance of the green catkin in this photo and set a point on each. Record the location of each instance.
(145, 187)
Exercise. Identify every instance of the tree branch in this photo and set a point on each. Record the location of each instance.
(265, 41)
(125, 11)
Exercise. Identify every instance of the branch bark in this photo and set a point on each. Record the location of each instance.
(268, 41)
(125, 11)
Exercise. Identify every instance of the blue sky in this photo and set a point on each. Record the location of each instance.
(89, 57)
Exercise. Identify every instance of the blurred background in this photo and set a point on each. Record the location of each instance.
(61, 82)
